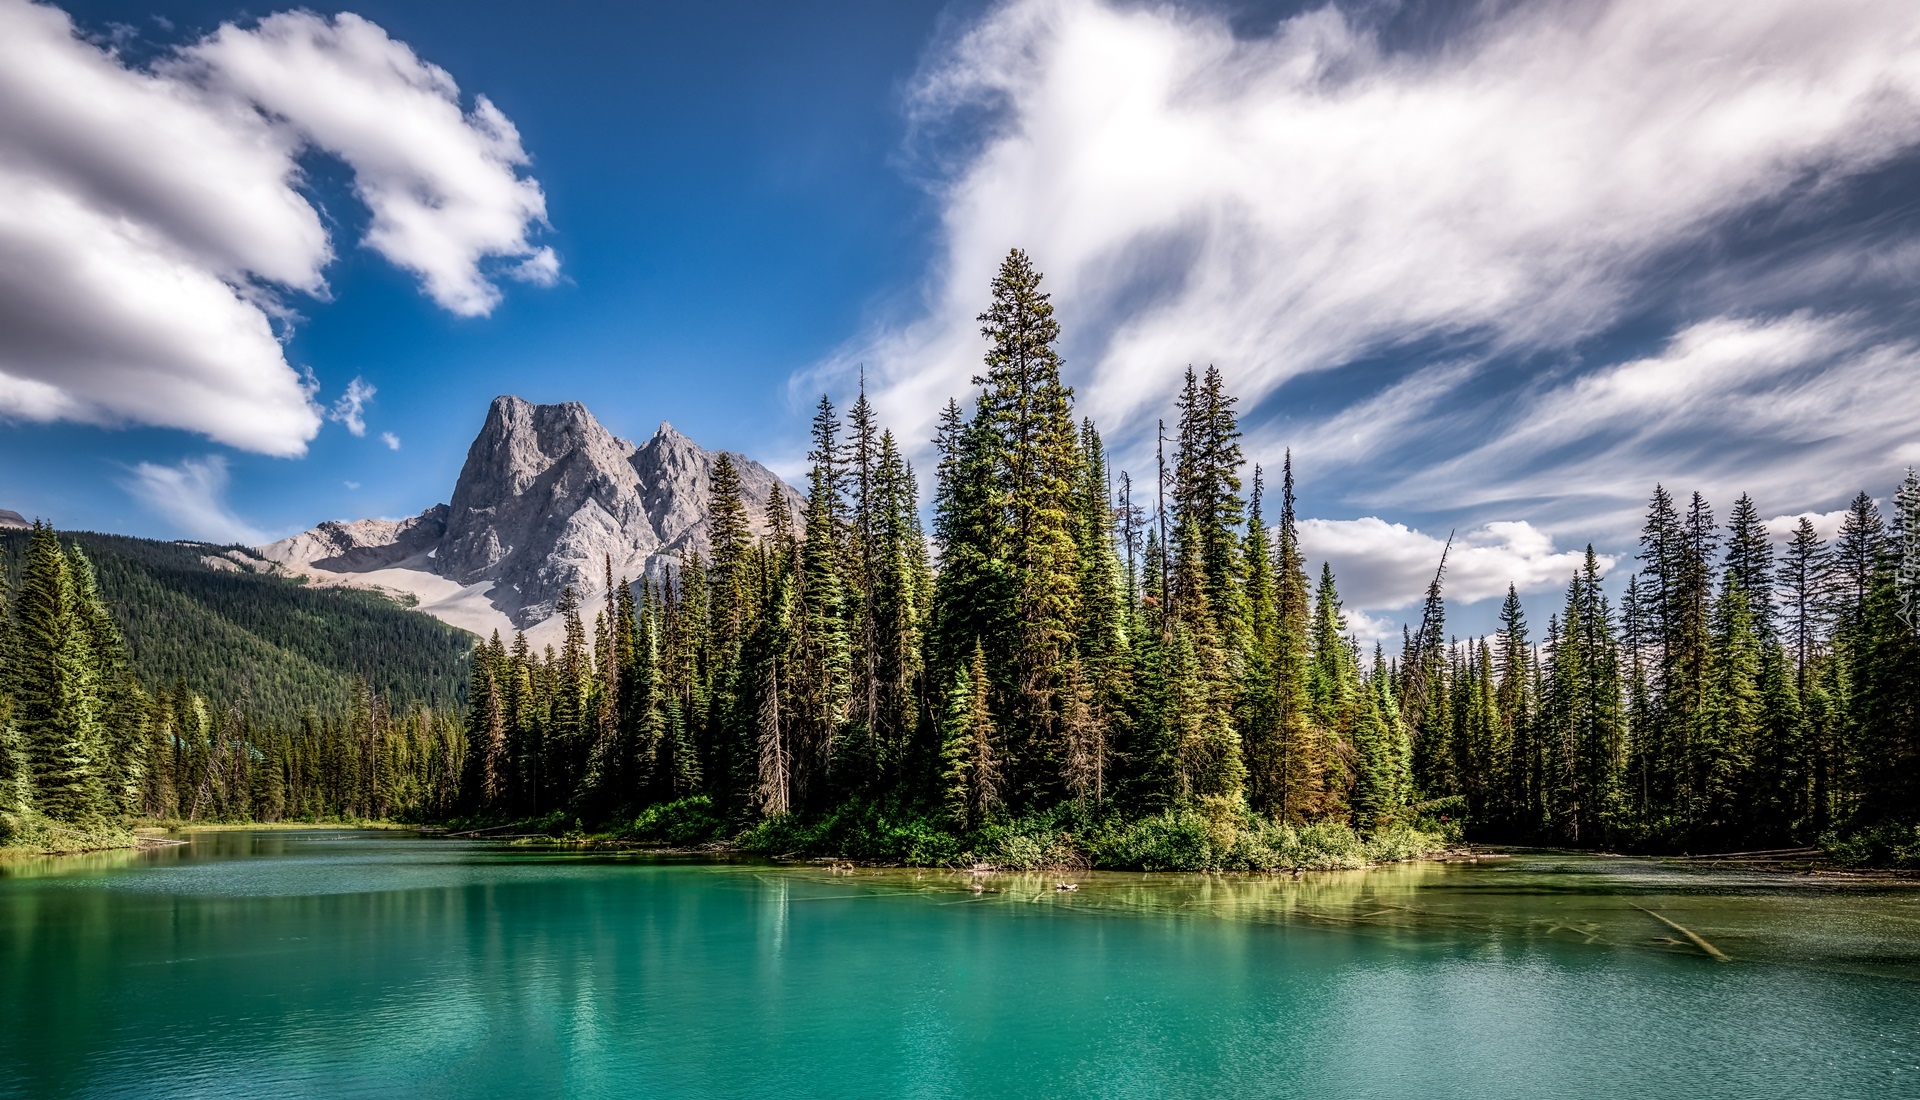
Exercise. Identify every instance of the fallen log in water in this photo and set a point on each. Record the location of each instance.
(1692, 936)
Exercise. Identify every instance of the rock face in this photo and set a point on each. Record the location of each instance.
(343, 547)
(546, 495)
(12, 520)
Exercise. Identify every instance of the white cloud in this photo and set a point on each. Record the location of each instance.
(1381, 566)
(1826, 524)
(441, 183)
(191, 497)
(1291, 202)
(347, 410)
(391, 440)
(351, 484)
(1790, 409)
(151, 222)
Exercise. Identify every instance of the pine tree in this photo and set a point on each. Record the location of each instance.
(1377, 791)
(897, 601)
(1032, 453)
(1856, 553)
(1298, 782)
(862, 457)
(122, 713)
(1731, 721)
(57, 701)
(1750, 561)
(1803, 584)
(1258, 714)
(12, 793)
(1524, 810)
(971, 776)
(1333, 691)
(1206, 493)
(1582, 715)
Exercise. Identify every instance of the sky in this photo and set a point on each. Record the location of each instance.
(1489, 268)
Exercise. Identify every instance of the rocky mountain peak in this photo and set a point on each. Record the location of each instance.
(545, 497)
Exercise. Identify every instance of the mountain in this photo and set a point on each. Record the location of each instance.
(546, 497)
(237, 629)
(11, 520)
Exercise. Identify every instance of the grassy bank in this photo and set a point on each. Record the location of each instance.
(29, 834)
(1208, 838)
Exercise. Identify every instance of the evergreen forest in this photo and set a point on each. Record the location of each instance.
(137, 683)
(1071, 665)
(1075, 665)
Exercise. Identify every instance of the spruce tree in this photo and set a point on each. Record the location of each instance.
(1750, 561)
(1856, 554)
(1258, 714)
(1033, 456)
(1524, 810)
(971, 773)
(58, 700)
(822, 661)
(1298, 780)
(1333, 691)
(1731, 721)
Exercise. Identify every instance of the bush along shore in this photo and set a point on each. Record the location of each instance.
(1220, 837)
(1074, 667)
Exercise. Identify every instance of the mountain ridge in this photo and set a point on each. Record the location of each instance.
(546, 498)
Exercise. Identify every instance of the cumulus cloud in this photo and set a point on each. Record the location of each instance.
(391, 440)
(1300, 200)
(1387, 566)
(1825, 524)
(192, 497)
(152, 222)
(347, 410)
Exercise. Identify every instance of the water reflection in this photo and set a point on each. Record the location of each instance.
(1570, 900)
(336, 963)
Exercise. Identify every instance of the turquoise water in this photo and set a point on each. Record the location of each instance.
(378, 964)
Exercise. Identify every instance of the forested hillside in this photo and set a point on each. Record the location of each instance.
(274, 646)
(86, 744)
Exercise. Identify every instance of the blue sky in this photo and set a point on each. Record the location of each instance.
(1494, 268)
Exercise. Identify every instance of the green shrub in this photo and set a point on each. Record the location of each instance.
(860, 831)
(1211, 836)
(683, 823)
(1892, 846)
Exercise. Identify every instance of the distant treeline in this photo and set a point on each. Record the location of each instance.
(83, 741)
(1086, 650)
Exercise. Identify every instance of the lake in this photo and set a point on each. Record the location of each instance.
(343, 963)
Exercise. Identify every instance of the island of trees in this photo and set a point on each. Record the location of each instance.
(1074, 667)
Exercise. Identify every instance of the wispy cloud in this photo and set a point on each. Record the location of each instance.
(191, 496)
(347, 410)
(391, 440)
(152, 222)
(1412, 255)
(1792, 409)
(1289, 202)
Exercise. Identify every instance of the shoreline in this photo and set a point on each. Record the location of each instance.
(147, 836)
(1803, 863)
